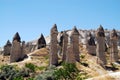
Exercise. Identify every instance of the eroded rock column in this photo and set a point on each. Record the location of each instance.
(15, 49)
(75, 42)
(53, 46)
(7, 48)
(65, 44)
(100, 51)
(113, 45)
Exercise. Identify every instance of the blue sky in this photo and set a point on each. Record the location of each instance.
(32, 17)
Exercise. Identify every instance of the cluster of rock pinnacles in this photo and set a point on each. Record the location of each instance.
(18, 50)
(70, 49)
(70, 52)
(69, 46)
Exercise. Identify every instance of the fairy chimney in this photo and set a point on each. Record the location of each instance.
(113, 46)
(64, 45)
(7, 48)
(100, 51)
(75, 42)
(15, 49)
(53, 46)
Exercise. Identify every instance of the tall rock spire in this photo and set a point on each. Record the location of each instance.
(100, 51)
(53, 46)
(75, 42)
(114, 49)
(7, 48)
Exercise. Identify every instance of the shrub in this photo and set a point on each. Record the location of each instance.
(66, 72)
(69, 71)
(30, 66)
(18, 78)
(41, 67)
(82, 56)
(9, 72)
(47, 75)
(46, 57)
(30, 79)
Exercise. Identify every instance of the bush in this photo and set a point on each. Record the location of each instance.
(30, 66)
(18, 78)
(9, 72)
(82, 56)
(47, 75)
(30, 79)
(41, 67)
(68, 72)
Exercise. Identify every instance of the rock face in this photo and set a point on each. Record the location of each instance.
(30, 47)
(64, 46)
(70, 56)
(23, 50)
(7, 48)
(114, 49)
(75, 42)
(91, 47)
(53, 46)
(17, 51)
(41, 42)
(60, 42)
(91, 40)
(100, 36)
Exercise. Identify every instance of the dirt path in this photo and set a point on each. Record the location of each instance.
(112, 75)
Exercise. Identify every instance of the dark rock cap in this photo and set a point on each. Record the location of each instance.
(100, 32)
(17, 37)
(41, 39)
(101, 28)
(41, 42)
(114, 33)
(8, 43)
(90, 35)
(91, 41)
(23, 42)
(54, 29)
(75, 31)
